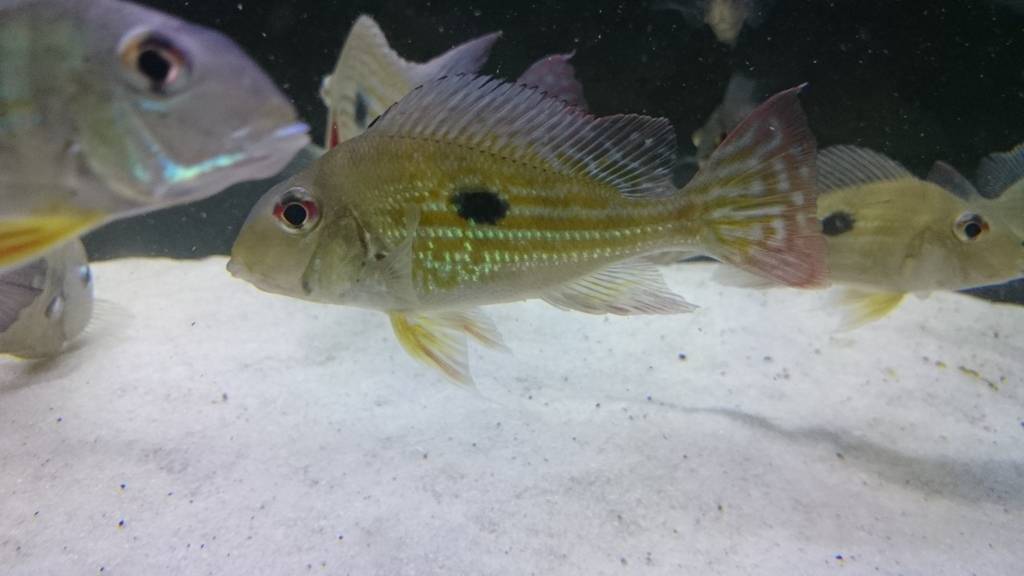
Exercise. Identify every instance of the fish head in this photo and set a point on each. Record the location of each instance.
(989, 250)
(296, 244)
(171, 112)
(970, 248)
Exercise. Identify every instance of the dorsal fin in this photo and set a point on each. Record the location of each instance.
(370, 76)
(556, 76)
(951, 180)
(635, 154)
(997, 172)
(846, 166)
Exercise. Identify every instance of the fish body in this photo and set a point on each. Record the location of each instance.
(738, 102)
(370, 76)
(890, 233)
(45, 304)
(471, 192)
(726, 18)
(109, 109)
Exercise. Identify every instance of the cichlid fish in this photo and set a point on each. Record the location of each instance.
(370, 76)
(471, 191)
(45, 304)
(726, 18)
(739, 101)
(890, 233)
(108, 109)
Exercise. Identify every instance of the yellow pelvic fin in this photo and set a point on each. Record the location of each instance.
(438, 339)
(24, 238)
(862, 307)
(626, 288)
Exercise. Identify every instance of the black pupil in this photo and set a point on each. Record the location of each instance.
(154, 65)
(295, 214)
(972, 230)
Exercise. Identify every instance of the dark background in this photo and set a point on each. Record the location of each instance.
(916, 80)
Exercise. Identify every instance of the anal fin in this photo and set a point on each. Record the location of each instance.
(862, 307)
(626, 288)
(438, 339)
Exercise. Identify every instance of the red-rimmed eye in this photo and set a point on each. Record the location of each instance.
(296, 211)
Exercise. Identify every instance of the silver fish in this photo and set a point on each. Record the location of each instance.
(109, 109)
(45, 304)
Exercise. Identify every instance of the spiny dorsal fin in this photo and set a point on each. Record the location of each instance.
(951, 180)
(998, 172)
(634, 154)
(847, 166)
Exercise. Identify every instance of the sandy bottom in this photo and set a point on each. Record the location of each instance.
(217, 429)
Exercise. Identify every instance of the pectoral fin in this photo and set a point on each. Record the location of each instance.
(438, 339)
(861, 307)
(626, 288)
(23, 238)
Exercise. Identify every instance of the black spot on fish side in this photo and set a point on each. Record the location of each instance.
(837, 223)
(480, 205)
(362, 109)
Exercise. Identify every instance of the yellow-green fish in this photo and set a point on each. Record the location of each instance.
(1000, 178)
(890, 233)
(370, 76)
(45, 304)
(471, 191)
(109, 109)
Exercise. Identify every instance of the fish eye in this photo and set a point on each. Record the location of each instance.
(969, 227)
(153, 62)
(85, 274)
(297, 211)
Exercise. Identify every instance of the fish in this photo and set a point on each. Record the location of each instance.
(471, 191)
(726, 18)
(890, 233)
(109, 109)
(738, 102)
(370, 76)
(46, 304)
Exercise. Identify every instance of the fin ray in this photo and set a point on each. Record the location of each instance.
(438, 339)
(757, 200)
(846, 166)
(635, 154)
(23, 238)
(951, 180)
(626, 288)
(1000, 171)
(862, 307)
(557, 77)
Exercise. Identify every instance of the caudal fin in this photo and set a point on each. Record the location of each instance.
(758, 199)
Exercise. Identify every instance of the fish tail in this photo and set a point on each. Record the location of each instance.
(756, 196)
